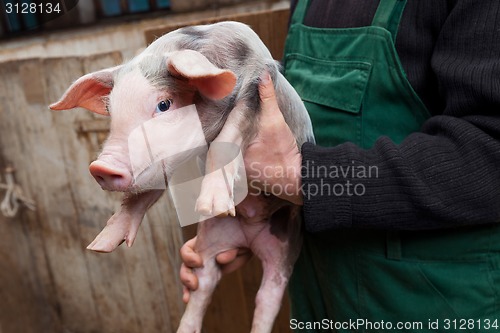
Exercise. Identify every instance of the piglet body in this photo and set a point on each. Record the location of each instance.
(216, 68)
(273, 238)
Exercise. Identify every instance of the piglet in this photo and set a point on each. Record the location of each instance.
(216, 68)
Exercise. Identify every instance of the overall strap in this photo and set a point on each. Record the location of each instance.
(300, 11)
(388, 15)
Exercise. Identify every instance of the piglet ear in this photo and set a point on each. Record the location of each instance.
(88, 92)
(211, 81)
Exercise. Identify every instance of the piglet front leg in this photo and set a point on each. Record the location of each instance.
(123, 225)
(223, 168)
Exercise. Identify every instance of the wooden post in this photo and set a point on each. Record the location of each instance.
(86, 12)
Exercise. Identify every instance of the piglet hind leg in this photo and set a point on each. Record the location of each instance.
(208, 277)
(124, 224)
(214, 236)
(278, 248)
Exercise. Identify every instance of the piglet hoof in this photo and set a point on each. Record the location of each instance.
(98, 245)
(116, 232)
(216, 196)
(217, 206)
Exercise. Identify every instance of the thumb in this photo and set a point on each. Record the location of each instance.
(227, 256)
(269, 104)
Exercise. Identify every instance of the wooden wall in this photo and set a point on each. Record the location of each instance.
(49, 282)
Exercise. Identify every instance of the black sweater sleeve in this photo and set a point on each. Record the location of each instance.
(448, 174)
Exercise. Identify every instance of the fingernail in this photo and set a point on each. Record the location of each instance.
(265, 78)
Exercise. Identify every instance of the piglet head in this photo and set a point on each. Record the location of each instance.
(133, 94)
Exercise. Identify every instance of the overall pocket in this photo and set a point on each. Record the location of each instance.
(333, 93)
(451, 293)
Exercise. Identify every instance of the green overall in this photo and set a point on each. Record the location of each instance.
(355, 89)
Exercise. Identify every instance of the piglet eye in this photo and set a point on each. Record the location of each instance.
(163, 106)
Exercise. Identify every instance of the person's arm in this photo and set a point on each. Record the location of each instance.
(449, 174)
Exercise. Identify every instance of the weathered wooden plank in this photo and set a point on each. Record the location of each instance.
(106, 275)
(23, 248)
(27, 143)
(114, 297)
(146, 285)
(58, 211)
(166, 238)
(94, 125)
(25, 306)
(228, 310)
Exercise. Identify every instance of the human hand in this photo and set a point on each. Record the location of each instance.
(230, 261)
(272, 159)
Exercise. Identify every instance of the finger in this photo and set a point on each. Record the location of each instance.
(188, 278)
(189, 256)
(185, 294)
(236, 263)
(226, 257)
(269, 104)
(266, 88)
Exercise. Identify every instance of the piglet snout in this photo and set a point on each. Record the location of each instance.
(111, 178)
